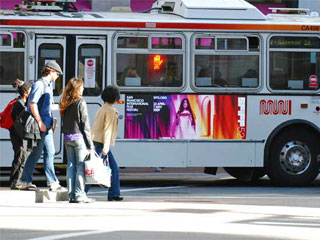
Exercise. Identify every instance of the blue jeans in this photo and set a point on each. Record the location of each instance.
(114, 190)
(46, 144)
(76, 153)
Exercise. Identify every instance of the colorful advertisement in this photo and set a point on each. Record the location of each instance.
(185, 116)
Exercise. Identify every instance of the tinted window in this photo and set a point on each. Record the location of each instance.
(132, 42)
(294, 70)
(231, 44)
(51, 52)
(166, 43)
(11, 67)
(227, 71)
(149, 70)
(5, 40)
(205, 43)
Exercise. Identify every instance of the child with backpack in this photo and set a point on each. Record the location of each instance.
(8, 116)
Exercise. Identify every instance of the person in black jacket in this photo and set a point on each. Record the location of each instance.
(77, 137)
(20, 153)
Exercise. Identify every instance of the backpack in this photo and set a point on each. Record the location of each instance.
(6, 120)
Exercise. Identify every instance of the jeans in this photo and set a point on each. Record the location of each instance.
(114, 190)
(76, 154)
(20, 157)
(46, 145)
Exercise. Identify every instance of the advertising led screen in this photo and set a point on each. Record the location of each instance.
(185, 116)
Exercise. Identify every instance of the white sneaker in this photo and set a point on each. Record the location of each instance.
(56, 187)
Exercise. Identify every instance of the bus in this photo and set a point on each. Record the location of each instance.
(203, 83)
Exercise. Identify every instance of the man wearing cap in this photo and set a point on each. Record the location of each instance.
(40, 105)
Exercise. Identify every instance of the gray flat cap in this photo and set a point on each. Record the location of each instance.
(55, 66)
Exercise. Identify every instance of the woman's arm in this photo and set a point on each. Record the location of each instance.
(110, 124)
(85, 123)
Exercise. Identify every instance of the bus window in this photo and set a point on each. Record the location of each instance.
(132, 42)
(5, 40)
(232, 44)
(228, 69)
(90, 65)
(149, 70)
(12, 57)
(157, 63)
(51, 52)
(18, 40)
(205, 43)
(166, 43)
(294, 63)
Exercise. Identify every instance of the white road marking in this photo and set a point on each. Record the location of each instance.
(68, 235)
(141, 189)
(288, 224)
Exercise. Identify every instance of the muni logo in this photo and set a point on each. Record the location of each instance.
(275, 107)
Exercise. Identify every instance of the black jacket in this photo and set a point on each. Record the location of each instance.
(76, 120)
(25, 126)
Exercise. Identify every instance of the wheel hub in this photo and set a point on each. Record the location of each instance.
(295, 157)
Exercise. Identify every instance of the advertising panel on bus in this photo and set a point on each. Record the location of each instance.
(185, 116)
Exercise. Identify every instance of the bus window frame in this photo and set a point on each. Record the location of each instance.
(9, 88)
(149, 50)
(213, 52)
(269, 50)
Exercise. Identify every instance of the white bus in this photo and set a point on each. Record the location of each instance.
(203, 85)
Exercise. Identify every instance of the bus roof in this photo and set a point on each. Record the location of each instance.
(157, 20)
(210, 9)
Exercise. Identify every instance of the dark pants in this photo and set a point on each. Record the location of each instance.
(20, 157)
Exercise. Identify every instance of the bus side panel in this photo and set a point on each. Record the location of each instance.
(221, 154)
(150, 154)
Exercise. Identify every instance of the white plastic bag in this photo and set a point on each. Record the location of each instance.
(97, 171)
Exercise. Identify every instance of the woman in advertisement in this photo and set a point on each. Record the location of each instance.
(185, 127)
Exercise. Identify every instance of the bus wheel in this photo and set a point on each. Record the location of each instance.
(293, 158)
(246, 174)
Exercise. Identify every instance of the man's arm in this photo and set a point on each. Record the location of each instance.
(36, 115)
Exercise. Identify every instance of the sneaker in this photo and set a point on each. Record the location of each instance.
(82, 200)
(27, 187)
(56, 187)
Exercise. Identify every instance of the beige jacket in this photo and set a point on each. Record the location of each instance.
(105, 126)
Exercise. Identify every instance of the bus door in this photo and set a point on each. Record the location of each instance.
(53, 48)
(90, 65)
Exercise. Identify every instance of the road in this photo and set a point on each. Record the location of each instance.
(166, 206)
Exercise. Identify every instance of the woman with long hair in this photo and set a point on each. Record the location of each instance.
(185, 126)
(20, 153)
(77, 138)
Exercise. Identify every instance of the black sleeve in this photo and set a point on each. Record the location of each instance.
(17, 108)
(85, 123)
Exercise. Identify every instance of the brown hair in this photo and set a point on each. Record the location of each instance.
(45, 71)
(70, 94)
(21, 86)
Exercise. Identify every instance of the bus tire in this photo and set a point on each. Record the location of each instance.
(293, 157)
(246, 174)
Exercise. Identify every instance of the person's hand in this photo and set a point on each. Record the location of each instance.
(104, 153)
(42, 127)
